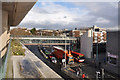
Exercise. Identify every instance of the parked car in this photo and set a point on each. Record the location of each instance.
(53, 59)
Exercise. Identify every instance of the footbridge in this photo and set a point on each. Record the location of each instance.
(45, 40)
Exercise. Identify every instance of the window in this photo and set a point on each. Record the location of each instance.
(70, 57)
(97, 30)
(112, 60)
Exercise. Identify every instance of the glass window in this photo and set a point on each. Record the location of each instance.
(113, 60)
(70, 57)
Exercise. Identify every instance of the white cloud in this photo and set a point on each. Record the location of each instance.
(52, 15)
(113, 28)
(102, 20)
(104, 14)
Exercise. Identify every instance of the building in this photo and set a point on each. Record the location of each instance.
(86, 44)
(74, 33)
(112, 52)
(66, 32)
(47, 32)
(99, 35)
(93, 43)
(12, 15)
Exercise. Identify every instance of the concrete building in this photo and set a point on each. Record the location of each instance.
(86, 44)
(12, 14)
(112, 52)
(92, 43)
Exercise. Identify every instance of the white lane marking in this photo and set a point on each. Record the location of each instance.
(111, 76)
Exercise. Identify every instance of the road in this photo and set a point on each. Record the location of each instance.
(90, 71)
(87, 69)
(55, 67)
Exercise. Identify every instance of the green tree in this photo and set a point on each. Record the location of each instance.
(33, 31)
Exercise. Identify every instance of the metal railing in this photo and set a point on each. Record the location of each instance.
(39, 36)
(3, 68)
(71, 74)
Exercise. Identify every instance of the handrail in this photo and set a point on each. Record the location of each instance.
(39, 36)
(3, 74)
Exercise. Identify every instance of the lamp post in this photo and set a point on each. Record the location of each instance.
(97, 52)
(65, 53)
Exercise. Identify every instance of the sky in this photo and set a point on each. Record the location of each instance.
(71, 15)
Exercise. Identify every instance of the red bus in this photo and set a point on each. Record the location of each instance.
(59, 53)
(78, 56)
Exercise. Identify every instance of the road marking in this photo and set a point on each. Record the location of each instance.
(111, 76)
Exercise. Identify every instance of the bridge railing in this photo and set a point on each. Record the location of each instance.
(37, 36)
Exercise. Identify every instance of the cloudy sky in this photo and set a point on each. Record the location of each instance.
(70, 15)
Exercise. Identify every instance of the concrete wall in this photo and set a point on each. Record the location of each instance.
(4, 36)
(0, 18)
(86, 45)
(11, 14)
(112, 42)
(112, 47)
(119, 52)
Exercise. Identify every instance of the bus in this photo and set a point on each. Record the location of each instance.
(78, 56)
(59, 53)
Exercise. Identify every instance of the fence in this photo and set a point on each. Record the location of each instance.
(4, 61)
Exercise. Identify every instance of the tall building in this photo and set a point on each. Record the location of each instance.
(93, 43)
(99, 35)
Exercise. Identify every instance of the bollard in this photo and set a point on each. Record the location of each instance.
(103, 73)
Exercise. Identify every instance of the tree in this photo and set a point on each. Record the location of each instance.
(33, 31)
(19, 31)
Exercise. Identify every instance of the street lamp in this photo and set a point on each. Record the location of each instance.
(66, 38)
(65, 53)
(97, 51)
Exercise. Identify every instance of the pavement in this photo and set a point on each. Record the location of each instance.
(16, 67)
(88, 70)
(30, 66)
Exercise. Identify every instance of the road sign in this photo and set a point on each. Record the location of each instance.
(98, 76)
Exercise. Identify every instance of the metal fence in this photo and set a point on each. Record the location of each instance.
(4, 61)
